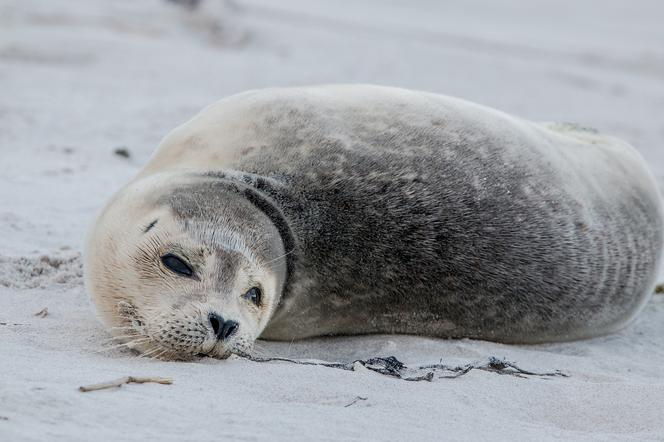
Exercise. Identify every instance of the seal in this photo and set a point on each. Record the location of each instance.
(354, 209)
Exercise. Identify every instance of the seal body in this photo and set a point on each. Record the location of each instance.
(407, 212)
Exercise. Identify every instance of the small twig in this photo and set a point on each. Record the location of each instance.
(42, 313)
(126, 380)
(11, 323)
(357, 398)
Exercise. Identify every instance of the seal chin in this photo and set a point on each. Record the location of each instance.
(151, 348)
(217, 351)
(217, 354)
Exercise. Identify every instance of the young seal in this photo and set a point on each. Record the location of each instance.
(338, 210)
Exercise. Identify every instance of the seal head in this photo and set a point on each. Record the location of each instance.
(181, 265)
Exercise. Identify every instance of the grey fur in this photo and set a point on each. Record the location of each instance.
(426, 215)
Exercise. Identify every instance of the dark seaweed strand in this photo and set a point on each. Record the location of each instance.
(391, 366)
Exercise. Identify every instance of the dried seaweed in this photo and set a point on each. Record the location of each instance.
(391, 366)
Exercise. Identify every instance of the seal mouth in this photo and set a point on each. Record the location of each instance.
(135, 335)
(148, 347)
(214, 356)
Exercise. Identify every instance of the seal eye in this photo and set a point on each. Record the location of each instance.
(177, 265)
(254, 295)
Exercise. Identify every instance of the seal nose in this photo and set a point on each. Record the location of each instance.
(222, 329)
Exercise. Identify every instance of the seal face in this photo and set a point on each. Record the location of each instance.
(292, 213)
(189, 270)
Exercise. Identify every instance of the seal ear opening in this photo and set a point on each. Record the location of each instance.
(150, 226)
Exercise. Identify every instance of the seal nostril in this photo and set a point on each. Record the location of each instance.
(222, 329)
(230, 327)
(216, 322)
